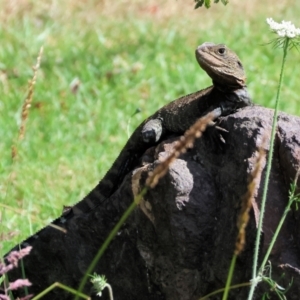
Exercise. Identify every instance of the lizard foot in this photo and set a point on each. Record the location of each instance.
(216, 136)
(152, 131)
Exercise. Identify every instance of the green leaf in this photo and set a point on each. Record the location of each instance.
(225, 2)
(199, 3)
(207, 3)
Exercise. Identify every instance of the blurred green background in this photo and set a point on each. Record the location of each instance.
(124, 55)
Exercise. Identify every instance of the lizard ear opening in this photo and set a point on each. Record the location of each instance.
(240, 65)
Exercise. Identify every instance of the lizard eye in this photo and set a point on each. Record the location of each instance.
(222, 50)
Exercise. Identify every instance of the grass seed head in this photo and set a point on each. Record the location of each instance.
(185, 142)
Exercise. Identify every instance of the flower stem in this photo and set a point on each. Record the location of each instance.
(108, 286)
(268, 171)
(275, 235)
(229, 277)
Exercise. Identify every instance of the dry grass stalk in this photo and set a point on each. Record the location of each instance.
(63, 230)
(27, 104)
(19, 211)
(248, 199)
(186, 141)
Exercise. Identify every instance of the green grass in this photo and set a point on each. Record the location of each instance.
(128, 55)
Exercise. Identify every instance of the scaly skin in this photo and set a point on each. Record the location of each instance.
(227, 94)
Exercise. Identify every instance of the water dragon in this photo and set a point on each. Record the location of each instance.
(227, 94)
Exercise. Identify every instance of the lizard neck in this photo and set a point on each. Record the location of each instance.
(227, 87)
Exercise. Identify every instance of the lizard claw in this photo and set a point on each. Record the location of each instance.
(221, 129)
(214, 126)
(222, 138)
(215, 134)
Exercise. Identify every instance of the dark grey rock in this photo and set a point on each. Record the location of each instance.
(179, 241)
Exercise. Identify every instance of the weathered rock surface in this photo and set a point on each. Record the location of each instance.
(179, 242)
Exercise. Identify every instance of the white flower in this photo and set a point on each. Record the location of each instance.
(284, 29)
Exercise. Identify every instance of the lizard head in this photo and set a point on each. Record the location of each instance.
(221, 64)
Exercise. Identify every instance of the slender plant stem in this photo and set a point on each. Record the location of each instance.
(229, 277)
(23, 275)
(236, 286)
(268, 171)
(108, 240)
(287, 209)
(292, 198)
(62, 286)
(111, 297)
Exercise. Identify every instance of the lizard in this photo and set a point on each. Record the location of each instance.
(226, 95)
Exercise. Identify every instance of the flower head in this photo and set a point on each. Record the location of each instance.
(19, 283)
(284, 29)
(99, 283)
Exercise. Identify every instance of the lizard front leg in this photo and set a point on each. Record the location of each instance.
(152, 131)
(235, 100)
